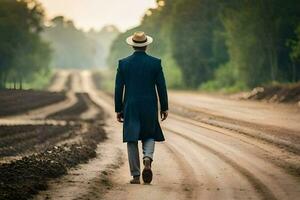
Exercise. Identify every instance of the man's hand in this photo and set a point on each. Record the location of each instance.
(163, 115)
(120, 117)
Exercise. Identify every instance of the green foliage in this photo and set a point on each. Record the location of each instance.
(225, 80)
(257, 32)
(119, 49)
(104, 80)
(195, 24)
(22, 52)
(102, 41)
(40, 80)
(157, 24)
(295, 55)
(295, 45)
(216, 44)
(172, 72)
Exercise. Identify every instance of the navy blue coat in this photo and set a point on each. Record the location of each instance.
(140, 75)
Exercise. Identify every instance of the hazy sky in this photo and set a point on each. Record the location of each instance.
(97, 13)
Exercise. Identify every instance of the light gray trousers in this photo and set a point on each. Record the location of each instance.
(133, 154)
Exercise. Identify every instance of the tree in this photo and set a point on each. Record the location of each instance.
(103, 40)
(295, 55)
(156, 22)
(75, 48)
(232, 43)
(22, 52)
(196, 38)
(257, 34)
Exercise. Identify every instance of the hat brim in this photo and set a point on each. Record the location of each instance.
(134, 44)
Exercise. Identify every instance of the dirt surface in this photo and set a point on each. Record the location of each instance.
(23, 178)
(61, 81)
(45, 143)
(215, 148)
(197, 161)
(19, 139)
(265, 114)
(287, 137)
(18, 101)
(277, 93)
(201, 161)
(73, 112)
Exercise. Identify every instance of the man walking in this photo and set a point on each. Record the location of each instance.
(141, 76)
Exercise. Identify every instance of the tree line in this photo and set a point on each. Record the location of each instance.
(215, 44)
(75, 48)
(23, 53)
(30, 46)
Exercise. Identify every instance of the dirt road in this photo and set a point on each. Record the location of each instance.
(197, 161)
(201, 161)
(43, 142)
(266, 114)
(215, 148)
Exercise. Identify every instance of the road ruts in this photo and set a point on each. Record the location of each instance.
(195, 162)
(242, 159)
(39, 115)
(60, 81)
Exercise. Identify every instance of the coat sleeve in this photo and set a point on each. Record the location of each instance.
(162, 89)
(119, 87)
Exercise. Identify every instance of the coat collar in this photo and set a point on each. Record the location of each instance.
(139, 53)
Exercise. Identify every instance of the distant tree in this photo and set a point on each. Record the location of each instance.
(232, 43)
(22, 52)
(196, 38)
(71, 47)
(74, 48)
(103, 40)
(295, 55)
(257, 35)
(156, 22)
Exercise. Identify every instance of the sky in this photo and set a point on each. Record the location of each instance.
(95, 14)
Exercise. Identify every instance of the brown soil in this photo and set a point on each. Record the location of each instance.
(23, 178)
(41, 152)
(282, 137)
(73, 113)
(19, 139)
(18, 101)
(203, 156)
(278, 93)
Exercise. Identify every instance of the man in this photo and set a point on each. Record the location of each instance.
(140, 75)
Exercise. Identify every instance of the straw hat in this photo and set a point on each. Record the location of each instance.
(139, 39)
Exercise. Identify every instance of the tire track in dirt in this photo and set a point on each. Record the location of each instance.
(189, 184)
(268, 179)
(39, 115)
(89, 138)
(263, 190)
(91, 113)
(190, 181)
(169, 183)
(87, 181)
(180, 185)
(283, 158)
(90, 180)
(217, 179)
(245, 174)
(284, 133)
(60, 81)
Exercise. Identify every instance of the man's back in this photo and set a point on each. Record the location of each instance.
(140, 73)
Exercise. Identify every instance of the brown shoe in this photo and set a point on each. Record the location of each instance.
(135, 180)
(147, 172)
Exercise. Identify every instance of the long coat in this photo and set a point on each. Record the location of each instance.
(140, 75)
